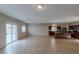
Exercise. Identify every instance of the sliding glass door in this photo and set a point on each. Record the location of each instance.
(11, 33)
(14, 32)
(8, 33)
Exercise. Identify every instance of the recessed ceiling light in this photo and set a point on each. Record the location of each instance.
(40, 6)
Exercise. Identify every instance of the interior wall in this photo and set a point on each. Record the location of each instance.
(3, 20)
(38, 29)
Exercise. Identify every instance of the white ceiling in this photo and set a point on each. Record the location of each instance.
(51, 13)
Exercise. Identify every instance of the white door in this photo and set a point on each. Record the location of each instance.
(11, 33)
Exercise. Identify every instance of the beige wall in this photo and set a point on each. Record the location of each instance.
(38, 29)
(3, 20)
(42, 29)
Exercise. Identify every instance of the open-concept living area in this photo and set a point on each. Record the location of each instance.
(39, 28)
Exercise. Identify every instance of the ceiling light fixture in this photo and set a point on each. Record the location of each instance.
(40, 6)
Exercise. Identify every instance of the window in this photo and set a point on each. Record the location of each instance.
(23, 28)
(54, 28)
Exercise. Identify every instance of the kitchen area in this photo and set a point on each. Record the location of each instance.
(64, 31)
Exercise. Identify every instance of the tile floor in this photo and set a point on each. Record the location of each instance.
(42, 45)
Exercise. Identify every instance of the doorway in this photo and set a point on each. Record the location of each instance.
(11, 33)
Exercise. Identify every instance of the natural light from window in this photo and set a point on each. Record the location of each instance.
(54, 27)
(23, 28)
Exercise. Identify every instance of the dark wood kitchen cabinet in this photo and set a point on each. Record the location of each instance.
(50, 32)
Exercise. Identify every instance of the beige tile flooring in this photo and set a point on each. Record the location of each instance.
(42, 45)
